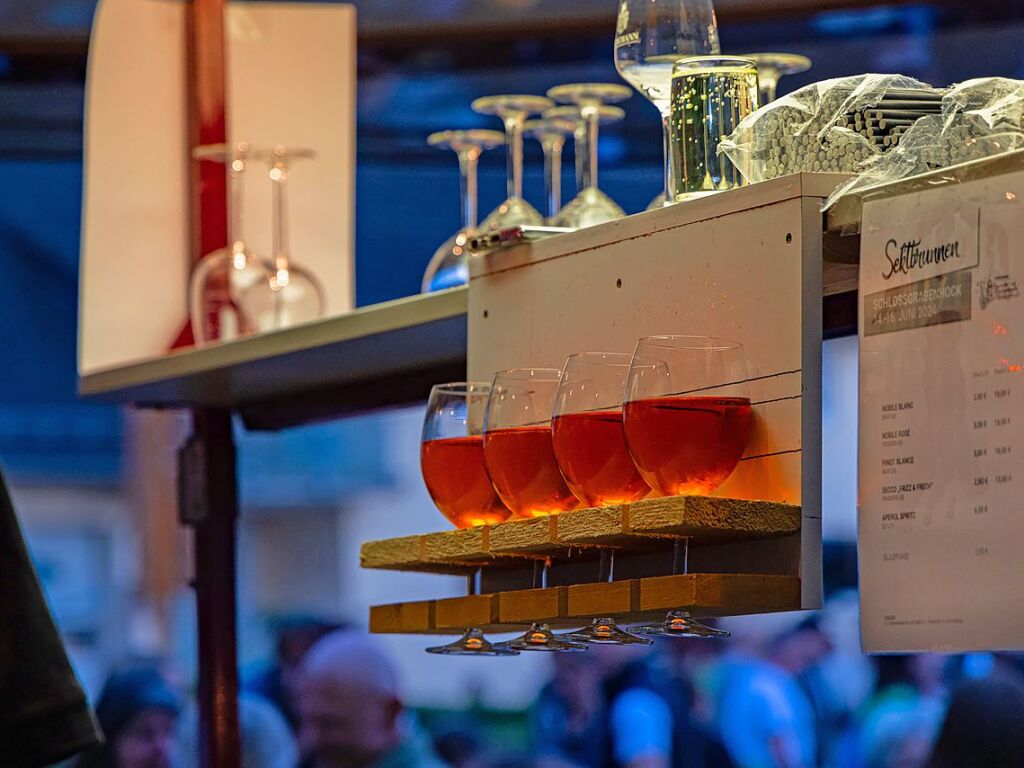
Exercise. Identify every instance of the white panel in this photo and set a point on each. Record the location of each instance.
(291, 81)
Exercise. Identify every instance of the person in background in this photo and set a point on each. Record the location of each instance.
(295, 636)
(766, 719)
(267, 741)
(984, 725)
(569, 719)
(350, 713)
(138, 712)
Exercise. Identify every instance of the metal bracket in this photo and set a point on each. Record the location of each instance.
(193, 502)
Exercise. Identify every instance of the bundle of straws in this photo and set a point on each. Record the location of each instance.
(884, 123)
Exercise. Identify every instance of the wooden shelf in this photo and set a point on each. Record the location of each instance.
(381, 355)
(629, 601)
(640, 526)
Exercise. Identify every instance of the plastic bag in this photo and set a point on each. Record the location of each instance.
(980, 118)
(807, 131)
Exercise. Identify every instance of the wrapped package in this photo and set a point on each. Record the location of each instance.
(829, 126)
(979, 118)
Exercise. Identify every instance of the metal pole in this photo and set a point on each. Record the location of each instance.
(208, 494)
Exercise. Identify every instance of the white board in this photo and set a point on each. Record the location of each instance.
(291, 72)
(941, 425)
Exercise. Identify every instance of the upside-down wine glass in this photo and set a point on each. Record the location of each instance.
(517, 443)
(608, 114)
(771, 67)
(591, 206)
(539, 637)
(650, 36)
(550, 132)
(448, 266)
(687, 420)
(473, 643)
(221, 278)
(513, 111)
(452, 455)
(296, 295)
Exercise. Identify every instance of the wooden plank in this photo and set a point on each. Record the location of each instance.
(536, 537)
(524, 606)
(613, 598)
(392, 554)
(628, 601)
(468, 545)
(720, 594)
(403, 618)
(710, 518)
(460, 613)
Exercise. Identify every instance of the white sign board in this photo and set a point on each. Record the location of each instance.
(941, 428)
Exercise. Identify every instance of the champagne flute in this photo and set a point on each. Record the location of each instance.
(513, 111)
(296, 295)
(591, 206)
(447, 267)
(551, 131)
(771, 67)
(223, 276)
(650, 36)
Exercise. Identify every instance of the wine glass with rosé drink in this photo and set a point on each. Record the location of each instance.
(518, 452)
(452, 455)
(687, 420)
(590, 448)
(586, 431)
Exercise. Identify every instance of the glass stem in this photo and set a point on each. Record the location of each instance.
(553, 173)
(582, 158)
(514, 139)
(279, 174)
(236, 213)
(467, 171)
(666, 128)
(592, 116)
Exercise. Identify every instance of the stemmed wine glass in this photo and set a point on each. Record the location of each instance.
(473, 643)
(551, 131)
(447, 268)
(687, 420)
(296, 295)
(221, 278)
(591, 206)
(608, 114)
(452, 455)
(513, 111)
(771, 67)
(518, 451)
(539, 637)
(650, 36)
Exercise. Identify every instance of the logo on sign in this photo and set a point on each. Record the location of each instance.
(910, 256)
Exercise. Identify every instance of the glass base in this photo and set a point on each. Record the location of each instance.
(588, 208)
(539, 637)
(680, 624)
(296, 297)
(448, 266)
(514, 212)
(605, 632)
(658, 202)
(473, 643)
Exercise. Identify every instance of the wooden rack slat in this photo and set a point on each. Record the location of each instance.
(636, 526)
(632, 601)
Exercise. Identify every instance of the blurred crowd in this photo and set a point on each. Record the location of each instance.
(788, 691)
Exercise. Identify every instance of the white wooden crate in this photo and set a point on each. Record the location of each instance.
(744, 265)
